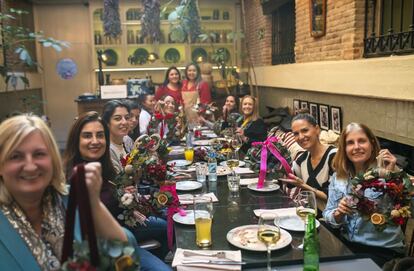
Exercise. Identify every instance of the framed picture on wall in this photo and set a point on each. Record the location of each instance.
(296, 106)
(304, 105)
(313, 110)
(336, 119)
(324, 116)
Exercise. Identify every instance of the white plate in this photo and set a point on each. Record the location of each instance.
(188, 185)
(223, 170)
(179, 163)
(187, 220)
(267, 187)
(245, 237)
(203, 142)
(294, 223)
(241, 163)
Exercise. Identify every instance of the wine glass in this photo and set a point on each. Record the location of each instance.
(268, 232)
(232, 160)
(306, 205)
(236, 142)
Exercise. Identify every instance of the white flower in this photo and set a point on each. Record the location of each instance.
(127, 199)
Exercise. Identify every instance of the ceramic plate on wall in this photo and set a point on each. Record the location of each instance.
(197, 52)
(111, 57)
(172, 55)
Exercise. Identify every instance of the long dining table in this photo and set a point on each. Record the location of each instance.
(236, 209)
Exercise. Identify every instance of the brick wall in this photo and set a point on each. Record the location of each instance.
(260, 48)
(343, 39)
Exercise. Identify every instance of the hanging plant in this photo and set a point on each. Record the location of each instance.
(151, 20)
(111, 19)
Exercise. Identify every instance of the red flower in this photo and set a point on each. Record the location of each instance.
(158, 116)
(124, 160)
(398, 220)
(84, 266)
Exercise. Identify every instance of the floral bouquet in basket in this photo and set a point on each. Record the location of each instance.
(275, 168)
(392, 207)
(113, 255)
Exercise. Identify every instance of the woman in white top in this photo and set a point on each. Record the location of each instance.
(116, 115)
(147, 103)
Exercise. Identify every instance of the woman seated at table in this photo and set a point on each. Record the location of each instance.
(116, 115)
(251, 127)
(171, 86)
(88, 142)
(134, 119)
(32, 189)
(357, 152)
(194, 90)
(147, 103)
(230, 109)
(313, 168)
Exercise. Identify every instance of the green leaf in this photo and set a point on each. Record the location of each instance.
(57, 47)
(47, 44)
(23, 54)
(173, 16)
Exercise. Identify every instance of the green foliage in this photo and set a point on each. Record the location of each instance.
(16, 38)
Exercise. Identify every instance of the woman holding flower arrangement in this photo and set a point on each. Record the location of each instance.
(88, 142)
(32, 198)
(164, 120)
(313, 168)
(368, 199)
(251, 127)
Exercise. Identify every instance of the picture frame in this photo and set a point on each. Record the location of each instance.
(317, 18)
(304, 105)
(296, 106)
(314, 111)
(336, 119)
(324, 118)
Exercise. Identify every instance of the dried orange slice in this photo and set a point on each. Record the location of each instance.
(377, 219)
(123, 263)
(162, 199)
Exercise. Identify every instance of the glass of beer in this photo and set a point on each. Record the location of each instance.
(189, 154)
(203, 216)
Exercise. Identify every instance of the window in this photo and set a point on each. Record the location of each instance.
(389, 27)
(283, 34)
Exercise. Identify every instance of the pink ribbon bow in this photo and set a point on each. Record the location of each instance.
(268, 145)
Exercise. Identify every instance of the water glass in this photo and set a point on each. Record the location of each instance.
(201, 171)
(203, 217)
(233, 181)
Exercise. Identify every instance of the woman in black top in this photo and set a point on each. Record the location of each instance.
(251, 127)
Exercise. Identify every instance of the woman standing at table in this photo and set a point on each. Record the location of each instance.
(251, 127)
(171, 86)
(313, 168)
(116, 115)
(87, 142)
(147, 103)
(357, 152)
(194, 91)
(32, 187)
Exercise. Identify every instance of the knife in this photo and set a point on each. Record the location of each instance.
(212, 262)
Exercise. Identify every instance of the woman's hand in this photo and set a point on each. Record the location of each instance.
(93, 179)
(296, 181)
(388, 158)
(342, 210)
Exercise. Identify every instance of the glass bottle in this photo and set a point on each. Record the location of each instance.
(212, 167)
(311, 245)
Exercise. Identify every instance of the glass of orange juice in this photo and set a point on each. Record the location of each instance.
(203, 216)
(189, 154)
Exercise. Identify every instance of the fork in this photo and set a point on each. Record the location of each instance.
(219, 255)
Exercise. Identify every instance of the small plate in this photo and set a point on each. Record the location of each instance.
(188, 185)
(204, 142)
(223, 170)
(241, 163)
(179, 163)
(186, 220)
(294, 223)
(267, 187)
(245, 237)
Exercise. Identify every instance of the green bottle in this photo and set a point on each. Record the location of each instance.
(311, 245)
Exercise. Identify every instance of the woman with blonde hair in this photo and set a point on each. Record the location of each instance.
(32, 186)
(357, 152)
(251, 127)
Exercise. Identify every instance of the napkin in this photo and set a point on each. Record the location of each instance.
(176, 150)
(188, 198)
(248, 181)
(282, 212)
(230, 254)
(243, 170)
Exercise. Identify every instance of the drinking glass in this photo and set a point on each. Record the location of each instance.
(236, 142)
(232, 160)
(203, 217)
(305, 203)
(268, 232)
(233, 182)
(189, 154)
(201, 171)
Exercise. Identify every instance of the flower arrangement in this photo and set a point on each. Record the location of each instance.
(205, 110)
(113, 255)
(275, 168)
(159, 121)
(392, 207)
